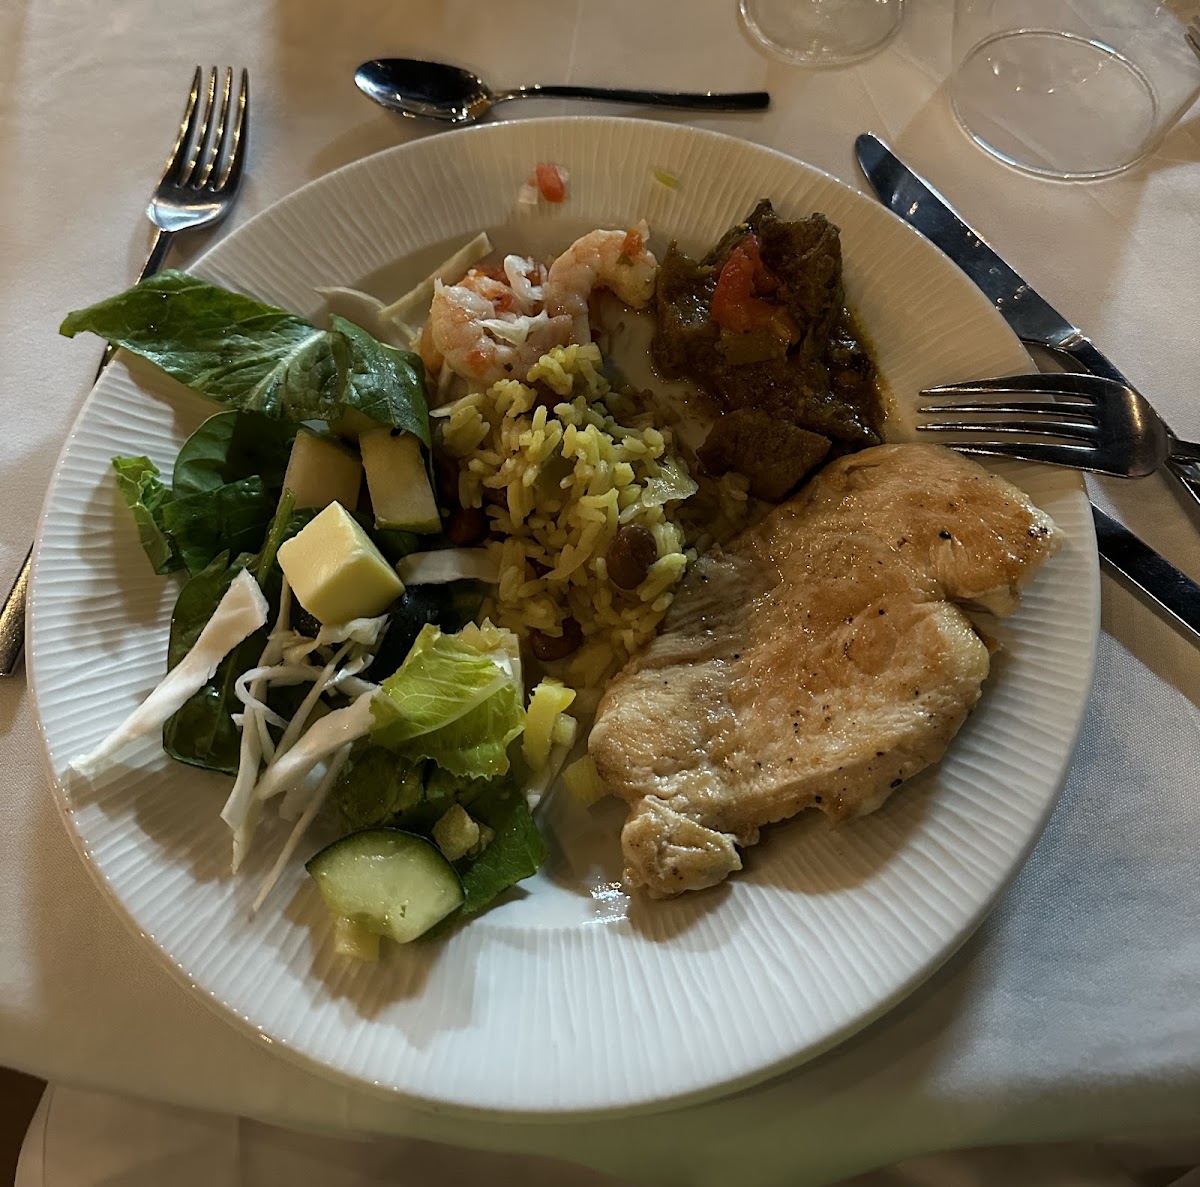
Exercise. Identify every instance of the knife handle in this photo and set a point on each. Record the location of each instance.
(1083, 354)
(12, 621)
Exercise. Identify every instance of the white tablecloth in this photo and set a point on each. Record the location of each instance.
(1073, 1011)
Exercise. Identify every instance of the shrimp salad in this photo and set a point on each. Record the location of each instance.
(415, 544)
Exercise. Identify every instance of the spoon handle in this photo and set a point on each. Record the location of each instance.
(689, 100)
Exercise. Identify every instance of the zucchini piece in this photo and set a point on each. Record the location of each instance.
(398, 482)
(321, 471)
(393, 883)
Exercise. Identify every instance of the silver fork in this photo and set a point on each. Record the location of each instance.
(197, 189)
(1084, 421)
(203, 171)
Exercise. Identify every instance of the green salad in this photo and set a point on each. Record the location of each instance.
(327, 648)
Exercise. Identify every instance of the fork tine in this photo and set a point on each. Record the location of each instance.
(1073, 387)
(1014, 408)
(196, 146)
(231, 173)
(1079, 457)
(1047, 428)
(218, 133)
(187, 126)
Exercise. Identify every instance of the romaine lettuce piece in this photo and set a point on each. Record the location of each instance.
(441, 680)
(453, 702)
(146, 495)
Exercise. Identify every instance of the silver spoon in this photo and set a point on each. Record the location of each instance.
(437, 91)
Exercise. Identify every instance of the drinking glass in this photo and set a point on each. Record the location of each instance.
(822, 32)
(1071, 88)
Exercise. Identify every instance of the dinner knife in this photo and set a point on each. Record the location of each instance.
(1035, 322)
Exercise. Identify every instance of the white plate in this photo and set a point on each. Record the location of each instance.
(566, 998)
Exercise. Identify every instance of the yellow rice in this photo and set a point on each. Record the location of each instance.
(558, 483)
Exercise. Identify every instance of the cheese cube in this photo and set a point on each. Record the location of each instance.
(335, 571)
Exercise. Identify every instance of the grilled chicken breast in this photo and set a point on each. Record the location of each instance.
(818, 660)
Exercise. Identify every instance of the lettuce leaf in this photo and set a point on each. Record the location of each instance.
(441, 680)
(147, 496)
(475, 746)
(257, 358)
(453, 703)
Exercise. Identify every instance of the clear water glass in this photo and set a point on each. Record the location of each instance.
(822, 32)
(1072, 88)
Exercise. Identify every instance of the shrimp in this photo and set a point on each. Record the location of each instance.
(492, 324)
(613, 260)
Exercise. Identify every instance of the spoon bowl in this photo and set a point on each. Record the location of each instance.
(425, 90)
(439, 91)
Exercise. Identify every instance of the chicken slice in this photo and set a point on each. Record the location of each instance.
(818, 660)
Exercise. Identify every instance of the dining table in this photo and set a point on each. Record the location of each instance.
(1072, 1012)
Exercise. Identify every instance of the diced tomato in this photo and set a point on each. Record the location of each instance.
(550, 182)
(735, 304)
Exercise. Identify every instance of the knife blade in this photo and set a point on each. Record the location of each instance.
(1136, 564)
(1035, 321)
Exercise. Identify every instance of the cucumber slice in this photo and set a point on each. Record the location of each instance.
(394, 883)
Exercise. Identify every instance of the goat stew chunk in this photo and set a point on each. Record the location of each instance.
(760, 325)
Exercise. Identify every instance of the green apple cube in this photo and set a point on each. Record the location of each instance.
(320, 472)
(398, 482)
(336, 572)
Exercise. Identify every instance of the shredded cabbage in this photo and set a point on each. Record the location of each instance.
(239, 613)
(449, 564)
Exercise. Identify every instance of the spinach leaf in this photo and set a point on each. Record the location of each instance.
(230, 446)
(230, 347)
(257, 358)
(232, 518)
(148, 497)
(376, 788)
(202, 732)
(382, 378)
(517, 851)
